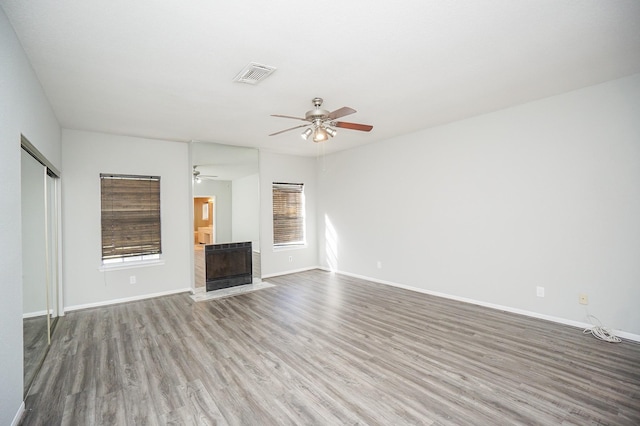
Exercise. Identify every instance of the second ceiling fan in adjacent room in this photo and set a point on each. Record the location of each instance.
(197, 176)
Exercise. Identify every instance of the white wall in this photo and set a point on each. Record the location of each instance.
(293, 169)
(84, 156)
(24, 109)
(245, 200)
(221, 190)
(543, 194)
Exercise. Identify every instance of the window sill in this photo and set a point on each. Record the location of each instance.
(291, 247)
(130, 265)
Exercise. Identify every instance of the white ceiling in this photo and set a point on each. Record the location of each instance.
(164, 69)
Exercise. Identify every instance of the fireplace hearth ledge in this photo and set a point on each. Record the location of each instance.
(201, 295)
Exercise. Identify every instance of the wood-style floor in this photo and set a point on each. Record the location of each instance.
(35, 338)
(327, 349)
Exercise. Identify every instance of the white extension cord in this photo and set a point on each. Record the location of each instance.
(600, 332)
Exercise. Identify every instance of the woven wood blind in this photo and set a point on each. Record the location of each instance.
(130, 215)
(288, 214)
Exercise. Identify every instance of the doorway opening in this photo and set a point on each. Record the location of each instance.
(204, 233)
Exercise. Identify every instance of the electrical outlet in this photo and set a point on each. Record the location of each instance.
(290, 258)
(379, 264)
(540, 291)
(132, 279)
(583, 299)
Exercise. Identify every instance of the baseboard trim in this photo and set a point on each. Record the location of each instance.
(126, 299)
(578, 324)
(36, 314)
(293, 271)
(18, 416)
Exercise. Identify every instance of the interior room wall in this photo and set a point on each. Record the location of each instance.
(221, 189)
(543, 194)
(245, 199)
(293, 169)
(24, 109)
(84, 156)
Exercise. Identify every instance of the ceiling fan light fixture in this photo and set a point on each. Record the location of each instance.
(331, 132)
(307, 133)
(320, 135)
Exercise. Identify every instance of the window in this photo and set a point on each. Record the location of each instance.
(130, 218)
(288, 214)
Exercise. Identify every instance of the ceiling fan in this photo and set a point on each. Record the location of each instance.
(197, 176)
(321, 122)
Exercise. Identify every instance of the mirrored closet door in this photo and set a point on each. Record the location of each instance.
(39, 189)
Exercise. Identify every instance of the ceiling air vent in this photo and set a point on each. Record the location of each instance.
(254, 73)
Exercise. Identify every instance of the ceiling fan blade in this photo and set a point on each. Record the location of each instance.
(341, 112)
(353, 126)
(291, 128)
(289, 116)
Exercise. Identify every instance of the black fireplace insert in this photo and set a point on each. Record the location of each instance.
(228, 265)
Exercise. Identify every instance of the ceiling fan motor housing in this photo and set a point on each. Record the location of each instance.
(317, 113)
